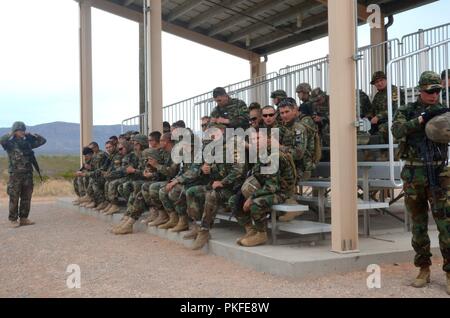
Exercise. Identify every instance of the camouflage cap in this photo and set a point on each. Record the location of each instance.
(316, 94)
(140, 139)
(151, 153)
(429, 80)
(18, 125)
(249, 187)
(278, 94)
(376, 76)
(303, 88)
(438, 129)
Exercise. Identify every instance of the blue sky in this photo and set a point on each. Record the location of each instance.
(39, 70)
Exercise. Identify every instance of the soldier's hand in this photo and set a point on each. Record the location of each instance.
(78, 173)
(148, 174)
(170, 185)
(217, 185)
(430, 114)
(247, 205)
(206, 168)
(374, 120)
(317, 119)
(222, 120)
(130, 170)
(87, 166)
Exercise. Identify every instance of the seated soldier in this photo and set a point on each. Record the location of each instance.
(255, 115)
(79, 182)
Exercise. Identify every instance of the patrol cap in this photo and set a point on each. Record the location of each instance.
(279, 93)
(140, 139)
(151, 153)
(376, 76)
(18, 125)
(303, 88)
(317, 93)
(219, 91)
(87, 151)
(429, 80)
(438, 129)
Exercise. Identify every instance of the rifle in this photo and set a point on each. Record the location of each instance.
(30, 153)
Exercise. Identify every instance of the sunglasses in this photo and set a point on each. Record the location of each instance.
(120, 149)
(204, 125)
(433, 91)
(268, 115)
(254, 119)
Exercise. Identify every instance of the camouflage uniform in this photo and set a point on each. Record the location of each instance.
(96, 181)
(80, 184)
(418, 193)
(203, 202)
(365, 105)
(320, 103)
(236, 111)
(119, 176)
(20, 184)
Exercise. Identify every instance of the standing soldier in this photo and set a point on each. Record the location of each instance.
(231, 112)
(19, 144)
(277, 96)
(425, 175)
(321, 113)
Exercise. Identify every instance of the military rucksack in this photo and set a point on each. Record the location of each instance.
(317, 155)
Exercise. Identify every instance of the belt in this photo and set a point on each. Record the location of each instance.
(422, 164)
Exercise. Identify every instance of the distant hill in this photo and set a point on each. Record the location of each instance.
(64, 138)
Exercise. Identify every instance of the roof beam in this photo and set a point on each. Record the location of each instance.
(116, 9)
(362, 10)
(182, 9)
(308, 24)
(277, 20)
(253, 11)
(213, 11)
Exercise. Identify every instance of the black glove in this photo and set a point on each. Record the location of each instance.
(430, 114)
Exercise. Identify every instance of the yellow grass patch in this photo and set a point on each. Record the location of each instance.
(49, 188)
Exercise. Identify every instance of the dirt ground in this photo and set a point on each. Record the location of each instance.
(34, 261)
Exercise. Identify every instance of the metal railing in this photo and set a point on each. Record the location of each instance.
(133, 123)
(404, 72)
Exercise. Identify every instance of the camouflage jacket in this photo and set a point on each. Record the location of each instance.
(270, 183)
(166, 168)
(365, 105)
(379, 103)
(129, 160)
(99, 159)
(307, 162)
(288, 175)
(236, 111)
(407, 130)
(20, 152)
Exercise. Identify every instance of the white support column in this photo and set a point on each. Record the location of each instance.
(154, 62)
(258, 68)
(378, 54)
(86, 100)
(344, 213)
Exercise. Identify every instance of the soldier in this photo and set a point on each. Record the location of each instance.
(445, 82)
(114, 140)
(379, 107)
(79, 181)
(166, 127)
(365, 105)
(255, 115)
(205, 122)
(277, 96)
(19, 144)
(425, 175)
(321, 113)
(203, 201)
(154, 139)
(229, 111)
(96, 189)
(303, 91)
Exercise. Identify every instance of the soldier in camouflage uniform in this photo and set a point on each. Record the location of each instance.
(79, 184)
(117, 177)
(409, 128)
(445, 82)
(320, 103)
(229, 111)
(19, 144)
(95, 189)
(277, 96)
(379, 106)
(203, 201)
(274, 188)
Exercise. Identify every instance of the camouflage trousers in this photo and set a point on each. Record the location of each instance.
(80, 185)
(174, 200)
(142, 199)
(20, 187)
(418, 197)
(259, 209)
(203, 203)
(150, 193)
(131, 211)
(98, 188)
(112, 189)
(125, 189)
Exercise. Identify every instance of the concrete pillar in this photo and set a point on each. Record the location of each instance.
(154, 62)
(344, 213)
(378, 54)
(143, 122)
(258, 68)
(86, 100)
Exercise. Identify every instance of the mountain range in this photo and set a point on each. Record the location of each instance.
(64, 138)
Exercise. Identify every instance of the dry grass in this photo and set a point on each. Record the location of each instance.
(49, 188)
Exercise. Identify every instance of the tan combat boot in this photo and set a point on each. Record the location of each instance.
(91, 205)
(86, 202)
(423, 278)
(101, 206)
(201, 239)
(104, 210)
(14, 224)
(153, 215)
(173, 221)
(192, 235)
(122, 222)
(259, 238)
(287, 217)
(249, 231)
(25, 221)
(126, 228)
(162, 218)
(77, 201)
(448, 283)
(113, 209)
(182, 225)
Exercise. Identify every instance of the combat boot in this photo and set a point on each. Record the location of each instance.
(201, 239)
(448, 283)
(162, 218)
(259, 238)
(192, 235)
(126, 228)
(173, 221)
(113, 209)
(104, 210)
(14, 224)
(182, 225)
(423, 278)
(101, 206)
(122, 222)
(249, 231)
(90, 205)
(77, 201)
(25, 221)
(287, 217)
(153, 215)
(86, 202)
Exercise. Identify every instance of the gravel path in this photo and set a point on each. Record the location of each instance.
(34, 260)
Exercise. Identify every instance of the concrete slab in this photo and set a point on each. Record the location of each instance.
(308, 258)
